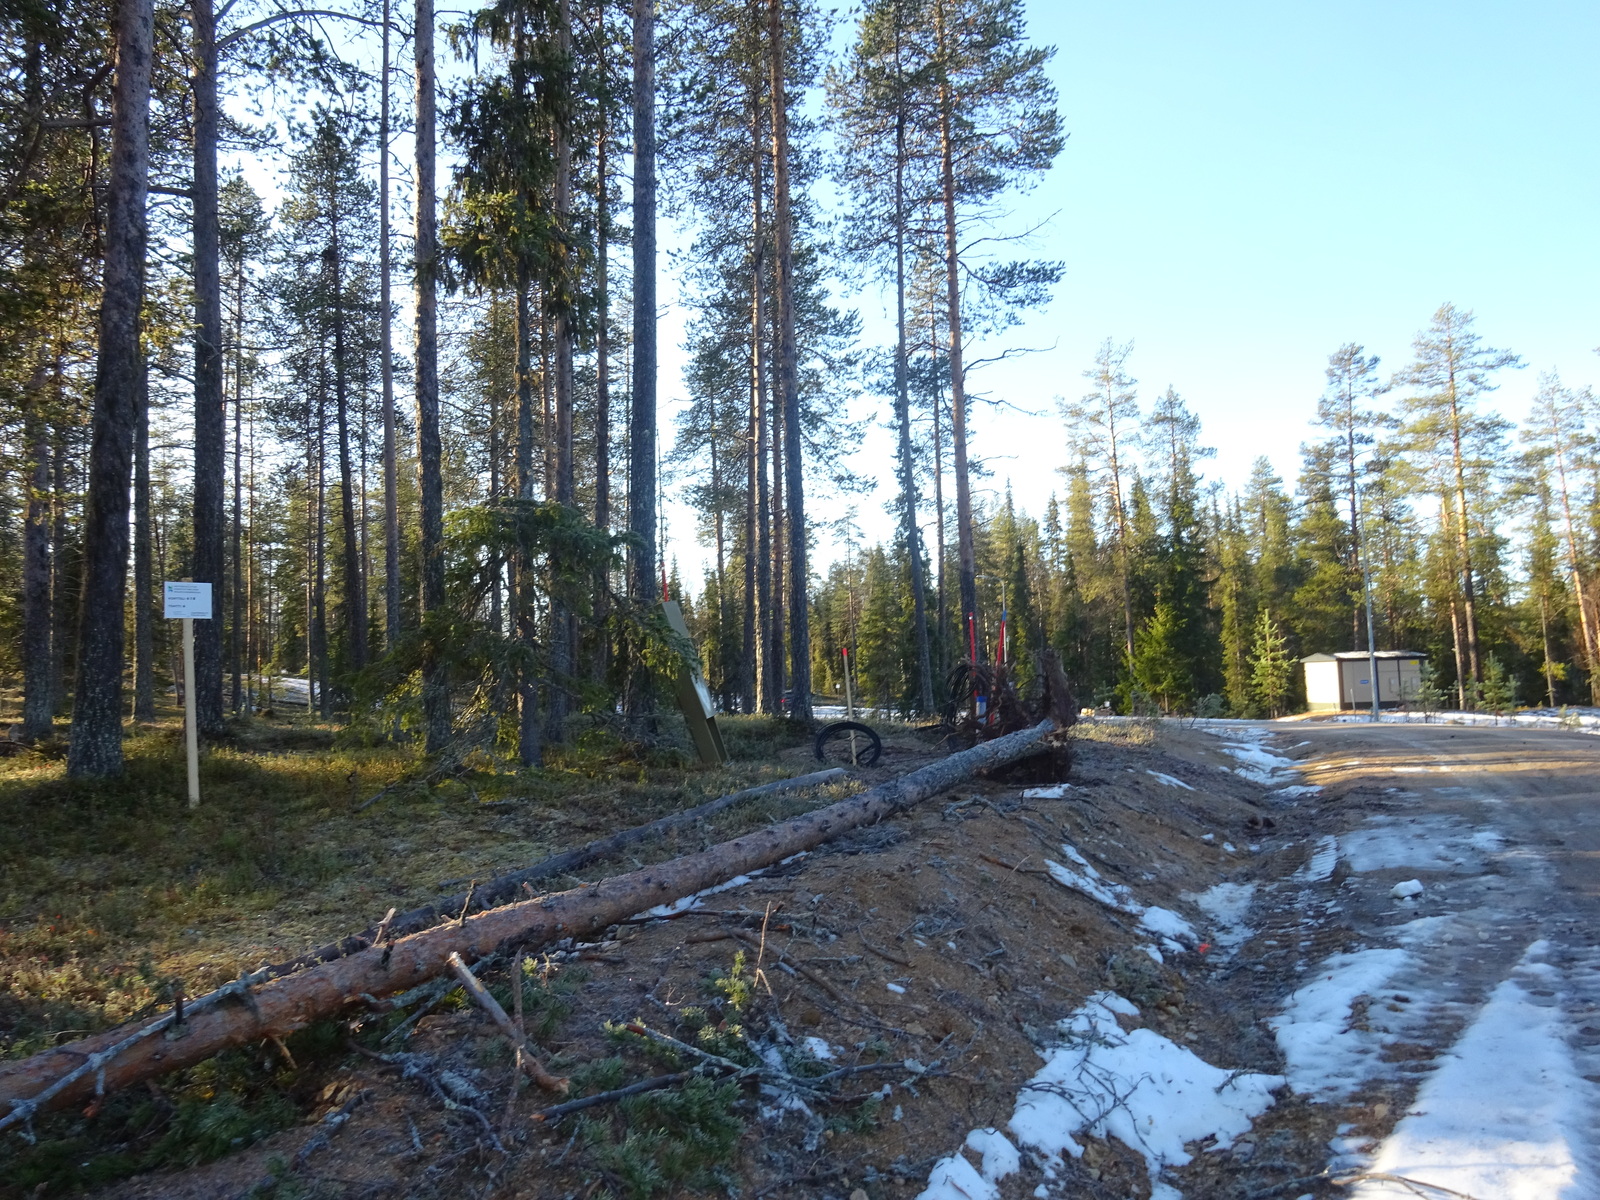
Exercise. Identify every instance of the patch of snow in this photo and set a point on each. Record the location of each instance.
(1139, 1087)
(1294, 791)
(1055, 792)
(1324, 1052)
(1322, 861)
(1000, 1157)
(1150, 949)
(1433, 843)
(895, 988)
(955, 1178)
(1227, 904)
(1169, 925)
(1077, 857)
(1505, 1115)
(818, 1048)
(1170, 780)
(693, 901)
(1256, 762)
(1408, 887)
(1229, 847)
(1112, 895)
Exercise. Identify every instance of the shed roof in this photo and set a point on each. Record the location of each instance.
(1362, 656)
(1347, 655)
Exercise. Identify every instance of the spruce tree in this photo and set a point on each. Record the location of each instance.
(1271, 667)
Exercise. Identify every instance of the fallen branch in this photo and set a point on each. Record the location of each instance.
(1416, 1186)
(61, 1075)
(886, 955)
(530, 1060)
(556, 1112)
(440, 1085)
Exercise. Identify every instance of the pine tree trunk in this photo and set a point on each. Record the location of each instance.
(1544, 633)
(642, 420)
(775, 475)
(1464, 539)
(144, 649)
(66, 558)
(96, 747)
(210, 415)
(1584, 622)
(1461, 665)
(319, 576)
(530, 745)
(497, 565)
(602, 398)
(391, 477)
(940, 551)
(562, 624)
(37, 718)
(966, 550)
(763, 660)
(236, 590)
(355, 598)
(902, 403)
(430, 477)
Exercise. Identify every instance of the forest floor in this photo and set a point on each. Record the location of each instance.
(1182, 974)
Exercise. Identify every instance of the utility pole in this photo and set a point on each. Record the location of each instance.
(1372, 637)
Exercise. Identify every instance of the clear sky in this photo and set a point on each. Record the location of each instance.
(1249, 185)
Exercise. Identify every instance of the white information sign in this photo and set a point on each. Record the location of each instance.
(187, 600)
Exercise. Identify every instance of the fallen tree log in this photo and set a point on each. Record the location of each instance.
(503, 889)
(242, 1013)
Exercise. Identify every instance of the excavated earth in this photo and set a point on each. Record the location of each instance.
(934, 951)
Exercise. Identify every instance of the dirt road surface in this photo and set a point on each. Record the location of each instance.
(1459, 1028)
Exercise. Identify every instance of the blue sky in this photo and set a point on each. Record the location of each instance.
(1249, 185)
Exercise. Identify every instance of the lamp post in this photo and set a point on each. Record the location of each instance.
(1372, 636)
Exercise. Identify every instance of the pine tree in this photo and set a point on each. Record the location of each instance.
(1456, 442)
(1556, 430)
(885, 165)
(1353, 382)
(1103, 427)
(997, 129)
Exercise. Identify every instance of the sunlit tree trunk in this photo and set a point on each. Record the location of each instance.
(435, 676)
(96, 746)
(210, 415)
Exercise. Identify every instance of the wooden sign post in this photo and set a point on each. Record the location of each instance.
(189, 602)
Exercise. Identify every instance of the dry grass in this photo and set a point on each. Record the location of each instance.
(111, 892)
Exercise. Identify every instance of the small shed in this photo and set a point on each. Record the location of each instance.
(1342, 681)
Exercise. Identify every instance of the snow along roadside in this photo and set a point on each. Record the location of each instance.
(1506, 1115)
(1143, 1089)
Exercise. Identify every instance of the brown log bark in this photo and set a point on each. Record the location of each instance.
(283, 1006)
(503, 889)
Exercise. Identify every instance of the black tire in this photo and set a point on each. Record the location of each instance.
(833, 744)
